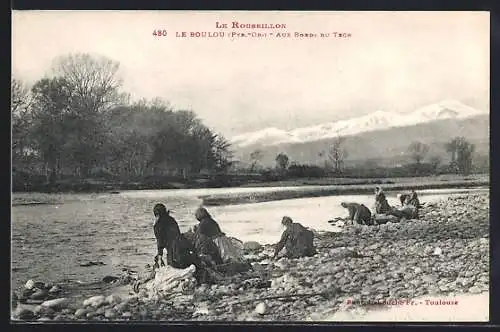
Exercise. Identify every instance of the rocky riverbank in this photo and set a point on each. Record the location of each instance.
(444, 253)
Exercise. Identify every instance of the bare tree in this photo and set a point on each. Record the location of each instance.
(338, 154)
(461, 152)
(418, 151)
(222, 154)
(21, 101)
(255, 157)
(94, 84)
(94, 80)
(435, 161)
(464, 157)
(452, 149)
(282, 161)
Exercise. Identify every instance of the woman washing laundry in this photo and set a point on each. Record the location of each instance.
(207, 233)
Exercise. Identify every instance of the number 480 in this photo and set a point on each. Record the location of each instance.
(159, 33)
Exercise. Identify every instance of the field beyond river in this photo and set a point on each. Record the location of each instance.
(358, 273)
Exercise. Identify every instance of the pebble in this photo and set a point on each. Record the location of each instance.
(30, 284)
(54, 289)
(81, 313)
(437, 251)
(44, 319)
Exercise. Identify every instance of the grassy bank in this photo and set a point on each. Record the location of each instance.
(347, 187)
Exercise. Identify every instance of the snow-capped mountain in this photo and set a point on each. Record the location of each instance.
(379, 120)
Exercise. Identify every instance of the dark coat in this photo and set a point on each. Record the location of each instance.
(381, 204)
(297, 240)
(412, 199)
(402, 198)
(180, 252)
(359, 213)
(209, 228)
(206, 247)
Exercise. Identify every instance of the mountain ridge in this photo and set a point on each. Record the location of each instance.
(378, 120)
(387, 145)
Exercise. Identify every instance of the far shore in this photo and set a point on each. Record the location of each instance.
(416, 184)
(303, 188)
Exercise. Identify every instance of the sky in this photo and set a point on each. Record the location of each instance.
(392, 61)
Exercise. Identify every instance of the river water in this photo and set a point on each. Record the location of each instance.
(49, 242)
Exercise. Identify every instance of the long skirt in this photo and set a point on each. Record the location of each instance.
(230, 249)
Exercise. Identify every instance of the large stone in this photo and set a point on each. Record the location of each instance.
(56, 303)
(39, 294)
(40, 310)
(113, 299)
(475, 290)
(110, 313)
(252, 246)
(465, 282)
(95, 301)
(23, 314)
(429, 279)
(15, 298)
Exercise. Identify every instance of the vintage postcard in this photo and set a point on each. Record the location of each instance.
(250, 166)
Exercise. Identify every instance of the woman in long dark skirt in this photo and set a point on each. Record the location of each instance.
(180, 252)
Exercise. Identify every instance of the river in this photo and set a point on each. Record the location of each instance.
(49, 242)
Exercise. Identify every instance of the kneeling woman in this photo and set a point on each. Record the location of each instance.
(208, 233)
(180, 252)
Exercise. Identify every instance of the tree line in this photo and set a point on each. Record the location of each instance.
(461, 162)
(78, 122)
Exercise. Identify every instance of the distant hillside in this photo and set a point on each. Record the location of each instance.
(387, 147)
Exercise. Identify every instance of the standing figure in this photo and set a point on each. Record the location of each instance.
(297, 240)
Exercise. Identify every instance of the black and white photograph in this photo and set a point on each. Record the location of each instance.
(250, 166)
